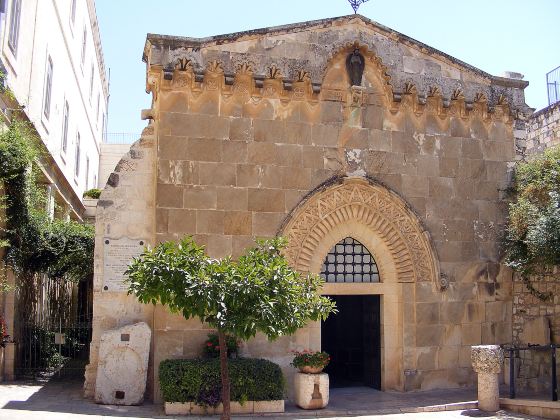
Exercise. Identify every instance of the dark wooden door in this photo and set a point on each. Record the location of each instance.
(372, 341)
(352, 338)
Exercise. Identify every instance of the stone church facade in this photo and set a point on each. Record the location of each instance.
(263, 133)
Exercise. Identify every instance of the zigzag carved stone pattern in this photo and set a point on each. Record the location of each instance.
(372, 206)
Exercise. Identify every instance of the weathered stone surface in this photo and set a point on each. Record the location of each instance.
(123, 365)
(311, 390)
(489, 359)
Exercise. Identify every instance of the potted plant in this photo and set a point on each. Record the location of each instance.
(310, 361)
(212, 346)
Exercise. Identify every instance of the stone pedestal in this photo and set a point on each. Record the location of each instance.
(311, 390)
(123, 365)
(487, 361)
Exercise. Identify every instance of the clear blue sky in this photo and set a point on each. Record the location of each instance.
(493, 35)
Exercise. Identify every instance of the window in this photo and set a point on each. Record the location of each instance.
(48, 88)
(87, 172)
(77, 157)
(15, 13)
(349, 262)
(73, 11)
(97, 114)
(104, 129)
(65, 117)
(84, 38)
(91, 84)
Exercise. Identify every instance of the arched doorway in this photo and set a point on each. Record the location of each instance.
(353, 336)
(382, 222)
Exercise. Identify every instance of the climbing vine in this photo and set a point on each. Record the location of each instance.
(34, 243)
(533, 232)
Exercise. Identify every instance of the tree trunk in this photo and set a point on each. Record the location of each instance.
(225, 375)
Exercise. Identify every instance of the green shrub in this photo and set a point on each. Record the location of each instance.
(92, 193)
(199, 380)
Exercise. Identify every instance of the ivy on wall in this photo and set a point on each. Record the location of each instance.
(34, 243)
(533, 232)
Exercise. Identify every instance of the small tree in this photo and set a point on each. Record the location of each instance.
(258, 292)
(533, 231)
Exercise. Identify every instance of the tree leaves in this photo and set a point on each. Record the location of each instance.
(258, 292)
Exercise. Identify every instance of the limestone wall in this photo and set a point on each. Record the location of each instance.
(535, 322)
(543, 129)
(124, 210)
(249, 126)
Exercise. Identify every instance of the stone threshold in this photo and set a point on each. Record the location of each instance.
(532, 407)
(326, 412)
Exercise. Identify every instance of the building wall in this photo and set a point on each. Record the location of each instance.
(259, 135)
(47, 30)
(110, 156)
(537, 321)
(543, 129)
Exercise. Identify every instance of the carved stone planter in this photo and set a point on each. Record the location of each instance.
(311, 390)
(249, 407)
(487, 361)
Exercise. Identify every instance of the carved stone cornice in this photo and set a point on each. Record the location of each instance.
(380, 212)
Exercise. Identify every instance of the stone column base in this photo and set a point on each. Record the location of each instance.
(488, 391)
(311, 390)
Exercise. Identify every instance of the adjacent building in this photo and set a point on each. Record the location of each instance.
(54, 77)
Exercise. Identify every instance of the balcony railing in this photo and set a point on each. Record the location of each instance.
(553, 85)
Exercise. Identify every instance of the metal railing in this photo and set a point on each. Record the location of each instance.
(121, 138)
(554, 380)
(553, 85)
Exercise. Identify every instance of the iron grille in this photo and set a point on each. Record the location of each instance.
(553, 86)
(349, 262)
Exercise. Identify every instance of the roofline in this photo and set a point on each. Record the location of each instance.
(98, 47)
(275, 30)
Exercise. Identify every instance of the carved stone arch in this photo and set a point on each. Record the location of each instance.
(378, 211)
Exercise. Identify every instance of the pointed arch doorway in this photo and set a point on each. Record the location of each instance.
(353, 336)
(382, 222)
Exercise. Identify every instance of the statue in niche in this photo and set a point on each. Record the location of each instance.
(355, 65)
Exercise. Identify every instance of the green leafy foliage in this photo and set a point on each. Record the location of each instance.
(199, 380)
(533, 232)
(212, 346)
(34, 242)
(92, 193)
(258, 292)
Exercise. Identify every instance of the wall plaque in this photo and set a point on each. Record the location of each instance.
(117, 254)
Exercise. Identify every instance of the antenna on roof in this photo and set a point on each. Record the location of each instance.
(356, 4)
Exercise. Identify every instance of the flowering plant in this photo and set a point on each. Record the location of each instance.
(316, 359)
(212, 346)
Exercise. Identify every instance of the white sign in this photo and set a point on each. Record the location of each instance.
(117, 254)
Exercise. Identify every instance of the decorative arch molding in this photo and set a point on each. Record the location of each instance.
(380, 211)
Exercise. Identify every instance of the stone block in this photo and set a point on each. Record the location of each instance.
(266, 200)
(536, 331)
(204, 150)
(311, 390)
(276, 406)
(237, 223)
(181, 221)
(200, 198)
(123, 365)
(232, 198)
(209, 221)
(217, 173)
(234, 151)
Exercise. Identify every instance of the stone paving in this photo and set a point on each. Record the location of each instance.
(63, 400)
